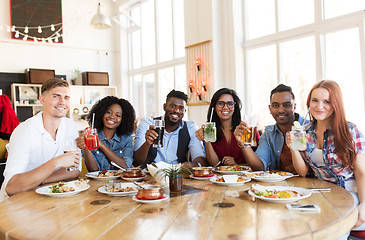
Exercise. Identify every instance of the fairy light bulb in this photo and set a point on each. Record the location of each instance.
(13, 28)
(39, 29)
(25, 37)
(26, 30)
(203, 84)
(35, 39)
(17, 34)
(191, 86)
(199, 95)
(43, 40)
(50, 40)
(56, 39)
(57, 34)
(8, 29)
(52, 28)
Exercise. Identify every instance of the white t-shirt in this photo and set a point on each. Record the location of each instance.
(31, 145)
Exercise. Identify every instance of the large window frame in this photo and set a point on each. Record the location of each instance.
(318, 29)
(140, 100)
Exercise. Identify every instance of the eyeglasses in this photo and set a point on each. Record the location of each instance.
(285, 105)
(230, 104)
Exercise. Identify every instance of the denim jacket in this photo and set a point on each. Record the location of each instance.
(121, 145)
(271, 144)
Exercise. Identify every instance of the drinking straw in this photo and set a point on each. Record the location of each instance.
(211, 115)
(305, 117)
(92, 122)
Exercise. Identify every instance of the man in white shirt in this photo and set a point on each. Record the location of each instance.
(36, 146)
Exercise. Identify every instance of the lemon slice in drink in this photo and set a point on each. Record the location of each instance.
(296, 124)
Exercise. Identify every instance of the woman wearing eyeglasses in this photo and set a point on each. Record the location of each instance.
(226, 107)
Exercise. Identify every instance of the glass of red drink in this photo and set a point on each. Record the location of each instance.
(91, 139)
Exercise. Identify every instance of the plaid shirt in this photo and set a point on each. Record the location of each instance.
(332, 170)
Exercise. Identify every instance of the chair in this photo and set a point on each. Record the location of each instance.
(357, 235)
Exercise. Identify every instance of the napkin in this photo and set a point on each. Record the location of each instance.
(230, 178)
(160, 165)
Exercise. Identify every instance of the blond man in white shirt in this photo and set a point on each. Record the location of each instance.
(36, 146)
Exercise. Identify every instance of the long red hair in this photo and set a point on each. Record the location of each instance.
(344, 143)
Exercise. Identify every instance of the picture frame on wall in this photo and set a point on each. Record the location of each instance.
(36, 20)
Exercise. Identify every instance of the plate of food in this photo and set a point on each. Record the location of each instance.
(64, 189)
(132, 179)
(126, 189)
(234, 169)
(163, 198)
(239, 180)
(270, 176)
(104, 174)
(278, 194)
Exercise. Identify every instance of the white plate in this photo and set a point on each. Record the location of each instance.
(246, 169)
(151, 201)
(45, 191)
(264, 178)
(134, 179)
(94, 175)
(305, 193)
(213, 179)
(124, 185)
(203, 178)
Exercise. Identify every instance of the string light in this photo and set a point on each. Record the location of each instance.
(24, 32)
(203, 84)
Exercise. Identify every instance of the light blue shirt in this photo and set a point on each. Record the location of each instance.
(120, 145)
(170, 141)
(270, 146)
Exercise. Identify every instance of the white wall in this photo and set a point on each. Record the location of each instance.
(83, 47)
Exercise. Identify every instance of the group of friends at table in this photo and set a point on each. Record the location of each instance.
(335, 147)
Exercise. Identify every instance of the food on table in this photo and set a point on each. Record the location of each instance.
(262, 191)
(269, 174)
(63, 187)
(60, 188)
(105, 173)
(233, 168)
(126, 189)
(221, 179)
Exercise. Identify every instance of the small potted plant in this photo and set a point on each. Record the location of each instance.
(174, 173)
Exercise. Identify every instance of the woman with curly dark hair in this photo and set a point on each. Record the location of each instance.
(114, 121)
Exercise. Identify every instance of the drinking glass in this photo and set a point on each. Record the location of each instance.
(210, 132)
(297, 138)
(70, 145)
(160, 129)
(91, 139)
(249, 135)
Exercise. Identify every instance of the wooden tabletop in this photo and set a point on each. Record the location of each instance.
(190, 215)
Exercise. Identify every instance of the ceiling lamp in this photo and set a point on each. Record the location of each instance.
(100, 21)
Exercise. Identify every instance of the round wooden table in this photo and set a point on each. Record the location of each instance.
(193, 214)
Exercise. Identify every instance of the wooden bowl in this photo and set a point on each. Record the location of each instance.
(150, 192)
(202, 171)
(132, 173)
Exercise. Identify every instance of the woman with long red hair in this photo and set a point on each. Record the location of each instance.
(335, 147)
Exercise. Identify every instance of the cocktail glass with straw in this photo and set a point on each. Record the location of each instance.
(91, 136)
(210, 130)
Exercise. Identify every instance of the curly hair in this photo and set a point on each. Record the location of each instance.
(236, 117)
(126, 126)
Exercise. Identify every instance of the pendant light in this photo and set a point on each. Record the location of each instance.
(100, 21)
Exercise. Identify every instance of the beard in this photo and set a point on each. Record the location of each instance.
(171, 123)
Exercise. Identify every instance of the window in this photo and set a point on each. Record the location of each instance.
(156, 54)
(303, 48)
